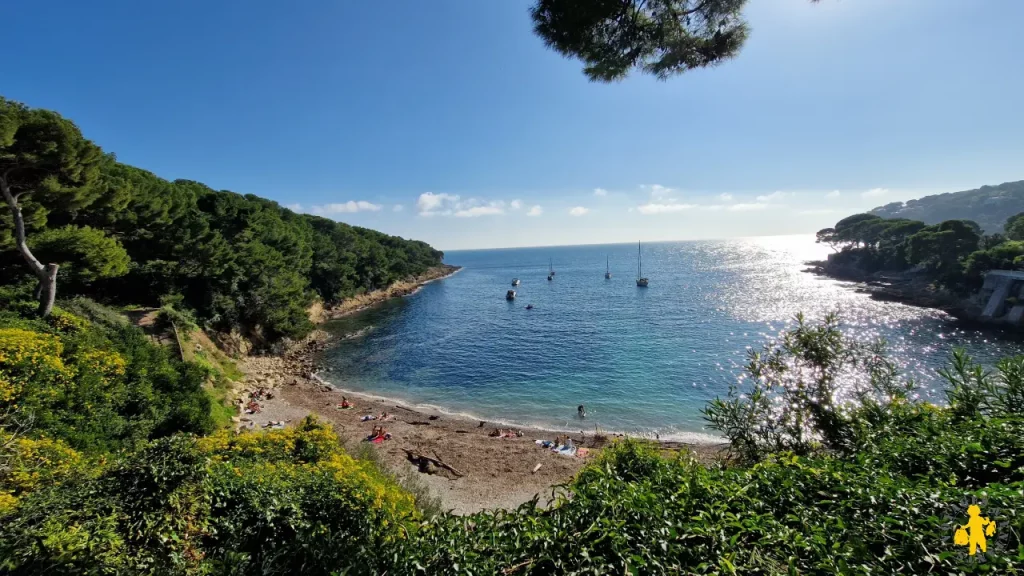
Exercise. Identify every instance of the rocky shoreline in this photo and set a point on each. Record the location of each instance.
(912, 289)
(396, 290)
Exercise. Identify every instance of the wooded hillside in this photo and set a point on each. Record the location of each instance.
(989, 206)
(120, 234)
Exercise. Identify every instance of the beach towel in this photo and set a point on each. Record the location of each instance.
(340, 407)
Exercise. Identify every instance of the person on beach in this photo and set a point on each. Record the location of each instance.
(581, 411)
(345, 403)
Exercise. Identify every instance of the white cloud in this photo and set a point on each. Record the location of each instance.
(832, 194)
(535, 211)
(747, 207)
(398, 208)
(294, 207)
(875, 193)
(515, 204)
(713, 207)
(429, 203)
(659, 191)
(815, 211)
(653, 208)
(777, 195)
(346, 207)
(579, 211)
(494, 209)
(725, 196)
(600, 192)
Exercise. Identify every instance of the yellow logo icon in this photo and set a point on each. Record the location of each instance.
(974, 532)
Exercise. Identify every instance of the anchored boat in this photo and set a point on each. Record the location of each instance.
(641, 282)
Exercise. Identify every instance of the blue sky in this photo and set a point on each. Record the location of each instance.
(450, 122)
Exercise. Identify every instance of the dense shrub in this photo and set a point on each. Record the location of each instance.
(98, 388)
(283, 502)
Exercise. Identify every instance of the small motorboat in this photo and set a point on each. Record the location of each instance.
(515, 281)
(550, 278)
(529, 306)
(510, 295)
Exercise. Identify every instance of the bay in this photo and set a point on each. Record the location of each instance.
(642, 360)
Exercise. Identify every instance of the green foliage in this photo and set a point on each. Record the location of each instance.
(989, 206)
(793, 403)
(952, 254)
(635, 512)
(281, 502)
(943, 247)
(85, 254)
(1014, 227)
(658, 37)
(99, 388)
(239, 261)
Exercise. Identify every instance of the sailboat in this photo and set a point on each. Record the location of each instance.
(551, 271)
(515, 281)
(607, 270)
(641, 282)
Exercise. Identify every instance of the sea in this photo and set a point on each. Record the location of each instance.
(643, 361)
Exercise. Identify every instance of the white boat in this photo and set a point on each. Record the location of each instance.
(641, 282)
(607, 270)
(515, 281)
(510, 295)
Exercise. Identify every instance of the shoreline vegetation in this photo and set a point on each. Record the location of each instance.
(941, 266)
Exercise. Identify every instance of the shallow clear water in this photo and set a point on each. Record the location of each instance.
(641, 360)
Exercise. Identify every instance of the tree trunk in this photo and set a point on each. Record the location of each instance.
(48, 292)
(47, 274)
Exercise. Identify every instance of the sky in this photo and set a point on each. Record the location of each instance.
(450, 122)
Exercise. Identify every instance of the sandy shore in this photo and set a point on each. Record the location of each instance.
(493, 472)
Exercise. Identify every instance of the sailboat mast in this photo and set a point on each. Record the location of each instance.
(639, 261)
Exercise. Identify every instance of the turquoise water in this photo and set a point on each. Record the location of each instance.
(642, 361)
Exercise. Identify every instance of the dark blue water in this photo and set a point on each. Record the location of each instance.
(641, 360)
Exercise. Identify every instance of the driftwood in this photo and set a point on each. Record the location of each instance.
(441, 463)
(423, 462)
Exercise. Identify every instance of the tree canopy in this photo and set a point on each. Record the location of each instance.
(953, 252)
(658, 37)
(122, 234)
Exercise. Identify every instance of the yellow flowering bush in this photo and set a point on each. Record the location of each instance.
(67, 322)
(33, 463)
(27, 357)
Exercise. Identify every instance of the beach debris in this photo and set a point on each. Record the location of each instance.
(433, 417)
(429, 465)
(439, 462)
(535, 468)
(482, 423)
(419, 423)
(503, 433)
(276, 424)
